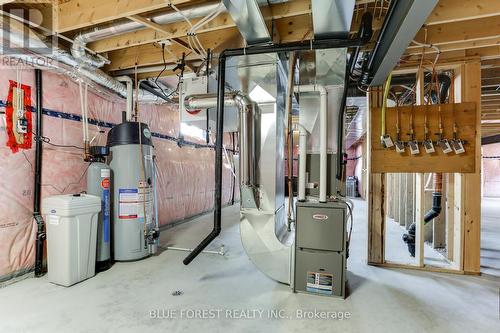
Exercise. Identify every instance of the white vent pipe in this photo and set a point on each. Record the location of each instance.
(130, 95)
(248, 174)
(323, 123)
(302, 163)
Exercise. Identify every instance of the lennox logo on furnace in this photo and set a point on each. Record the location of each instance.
(320, 217)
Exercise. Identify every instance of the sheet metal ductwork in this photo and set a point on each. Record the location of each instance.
(247, 16)
(403, 20)
(249, 121)
(264, 229)
(332, 18)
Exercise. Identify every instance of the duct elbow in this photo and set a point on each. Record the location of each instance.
(80, 54)
(243, 102)
(321, 89)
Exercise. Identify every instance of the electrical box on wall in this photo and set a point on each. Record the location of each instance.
(198, 118)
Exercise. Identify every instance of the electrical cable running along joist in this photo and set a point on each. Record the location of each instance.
(363, 37)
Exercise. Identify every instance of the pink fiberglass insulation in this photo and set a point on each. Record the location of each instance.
(185, 174)
(491, 170)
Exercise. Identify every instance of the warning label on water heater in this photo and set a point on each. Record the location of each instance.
(128, 203)
(146, 201)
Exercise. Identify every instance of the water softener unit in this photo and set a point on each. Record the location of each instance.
(131, 161)
(99, 184)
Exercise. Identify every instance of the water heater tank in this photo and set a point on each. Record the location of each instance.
(131, 160)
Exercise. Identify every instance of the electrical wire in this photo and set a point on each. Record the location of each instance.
(179, 76)
(384, 103)
(193, 41)
(60, 191)
(163, 69)
(27, 160)
(430, 46)
(70, 184)
(350, 207)
(201, 23)
(190, 25)
(46, 140)
(176, 90)
(350, 227)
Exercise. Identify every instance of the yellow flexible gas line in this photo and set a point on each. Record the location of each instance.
(384, 102)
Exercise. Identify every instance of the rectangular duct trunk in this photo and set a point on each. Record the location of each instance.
(406, 20)
(332, 18)
(249, 20)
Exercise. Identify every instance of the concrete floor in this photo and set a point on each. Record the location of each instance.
(490, 236)
(121, 299)
(396, 251)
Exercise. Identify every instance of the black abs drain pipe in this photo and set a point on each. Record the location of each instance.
(363, 37)
(40, 234)
(410, 237)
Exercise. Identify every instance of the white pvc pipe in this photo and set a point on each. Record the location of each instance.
(323, 122)
(86, 108)
(247, 128)
(130, 95)
(83, 106)
(83, 111)
(302, 163)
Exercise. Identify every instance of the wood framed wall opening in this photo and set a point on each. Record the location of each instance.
(452, 242)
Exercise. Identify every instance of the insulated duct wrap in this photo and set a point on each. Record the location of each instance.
(62, 61)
